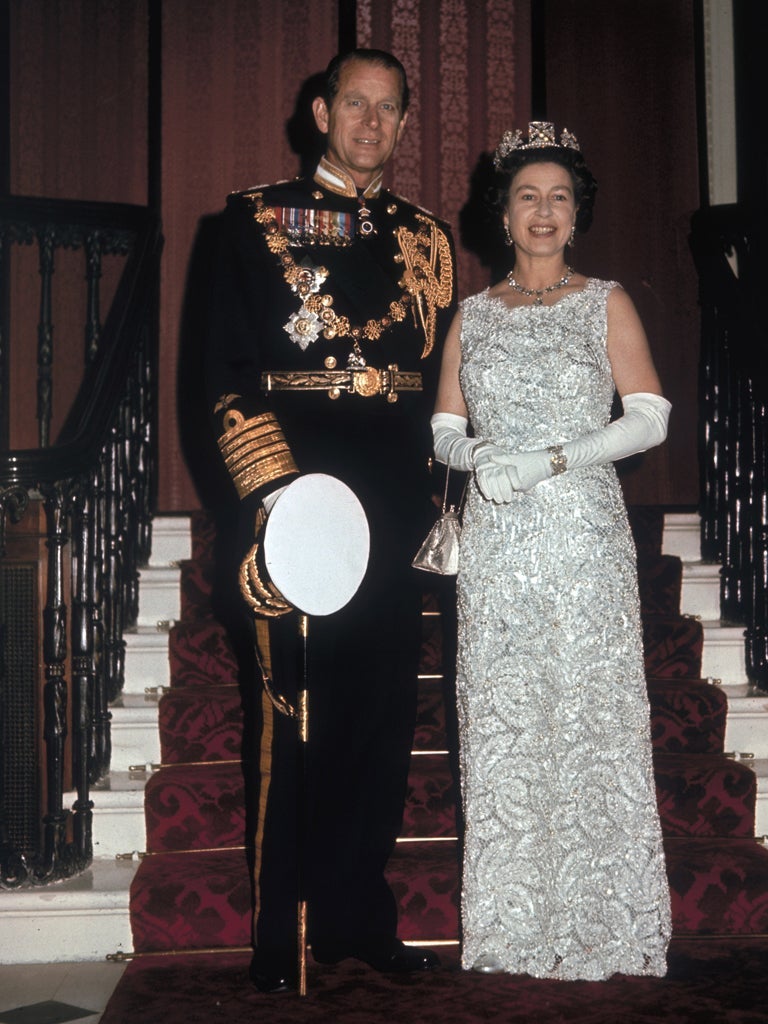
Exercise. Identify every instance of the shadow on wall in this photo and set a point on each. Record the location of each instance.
(304, 137)
(480, 228)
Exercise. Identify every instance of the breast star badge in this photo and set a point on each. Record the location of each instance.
(304, 327)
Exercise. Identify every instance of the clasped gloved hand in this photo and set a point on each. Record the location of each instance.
(500, 473)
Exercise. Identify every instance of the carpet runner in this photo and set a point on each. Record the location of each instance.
(192, 891)
(707, 983)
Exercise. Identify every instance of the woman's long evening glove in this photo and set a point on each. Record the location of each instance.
(500, 473)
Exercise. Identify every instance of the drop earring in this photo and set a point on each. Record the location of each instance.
(508, 238)
(572, 239)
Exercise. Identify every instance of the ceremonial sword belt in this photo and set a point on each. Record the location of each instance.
(366, 381)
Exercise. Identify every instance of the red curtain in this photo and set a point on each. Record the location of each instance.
(468, 64)
(79, 99)
(624, 81)
(78, 130)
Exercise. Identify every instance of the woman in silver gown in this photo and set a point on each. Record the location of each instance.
(563, 873)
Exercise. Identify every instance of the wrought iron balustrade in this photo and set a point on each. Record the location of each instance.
(729, 248)
(92, 490)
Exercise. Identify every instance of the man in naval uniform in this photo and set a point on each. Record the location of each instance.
(331, 299)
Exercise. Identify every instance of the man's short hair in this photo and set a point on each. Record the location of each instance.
(380, 57)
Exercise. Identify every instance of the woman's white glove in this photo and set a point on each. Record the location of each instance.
(452, 446)
(644, 425)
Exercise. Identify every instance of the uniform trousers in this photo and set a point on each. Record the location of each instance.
(346, 811)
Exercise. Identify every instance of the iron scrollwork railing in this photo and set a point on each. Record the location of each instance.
(728, 245)
(95, 485)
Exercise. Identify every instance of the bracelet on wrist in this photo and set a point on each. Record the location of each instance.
(557, 460)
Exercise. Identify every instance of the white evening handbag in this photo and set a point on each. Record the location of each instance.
(440, 551)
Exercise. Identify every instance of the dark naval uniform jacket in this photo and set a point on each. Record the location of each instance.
(359, 292)
(329, 312)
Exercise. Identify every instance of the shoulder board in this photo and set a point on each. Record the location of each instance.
(285, 183)
(419, 209)
(260, 188)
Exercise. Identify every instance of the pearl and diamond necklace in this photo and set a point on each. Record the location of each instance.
(540, 292)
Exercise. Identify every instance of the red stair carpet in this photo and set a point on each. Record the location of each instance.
(190, 901)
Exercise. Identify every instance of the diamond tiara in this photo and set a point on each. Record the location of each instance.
(541, 134)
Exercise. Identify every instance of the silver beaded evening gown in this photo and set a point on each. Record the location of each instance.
(564, 871)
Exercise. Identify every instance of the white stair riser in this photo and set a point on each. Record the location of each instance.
(146, 661)
(118, 830)
(82, 918)
(159, 596)
(52, 934)
(723, 655)
(700, 594)
(682, 536)
(134, 743)
(746, 728)
(119, 824)
(171, 540)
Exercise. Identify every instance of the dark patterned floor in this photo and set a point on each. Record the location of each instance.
(709, 982)
(48, 1012)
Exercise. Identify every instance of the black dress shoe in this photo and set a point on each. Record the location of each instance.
(402, 959)
(395, 958)
(272, 974)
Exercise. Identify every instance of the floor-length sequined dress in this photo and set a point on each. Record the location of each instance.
(564, 871)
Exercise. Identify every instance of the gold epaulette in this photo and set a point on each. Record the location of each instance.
(254, 450)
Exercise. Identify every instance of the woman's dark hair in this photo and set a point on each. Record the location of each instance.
(584, 183)
(380, 57)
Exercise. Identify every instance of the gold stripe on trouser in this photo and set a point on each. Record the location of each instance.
(266, 744)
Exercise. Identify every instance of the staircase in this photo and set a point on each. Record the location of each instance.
(87, 917)
(176, 792)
